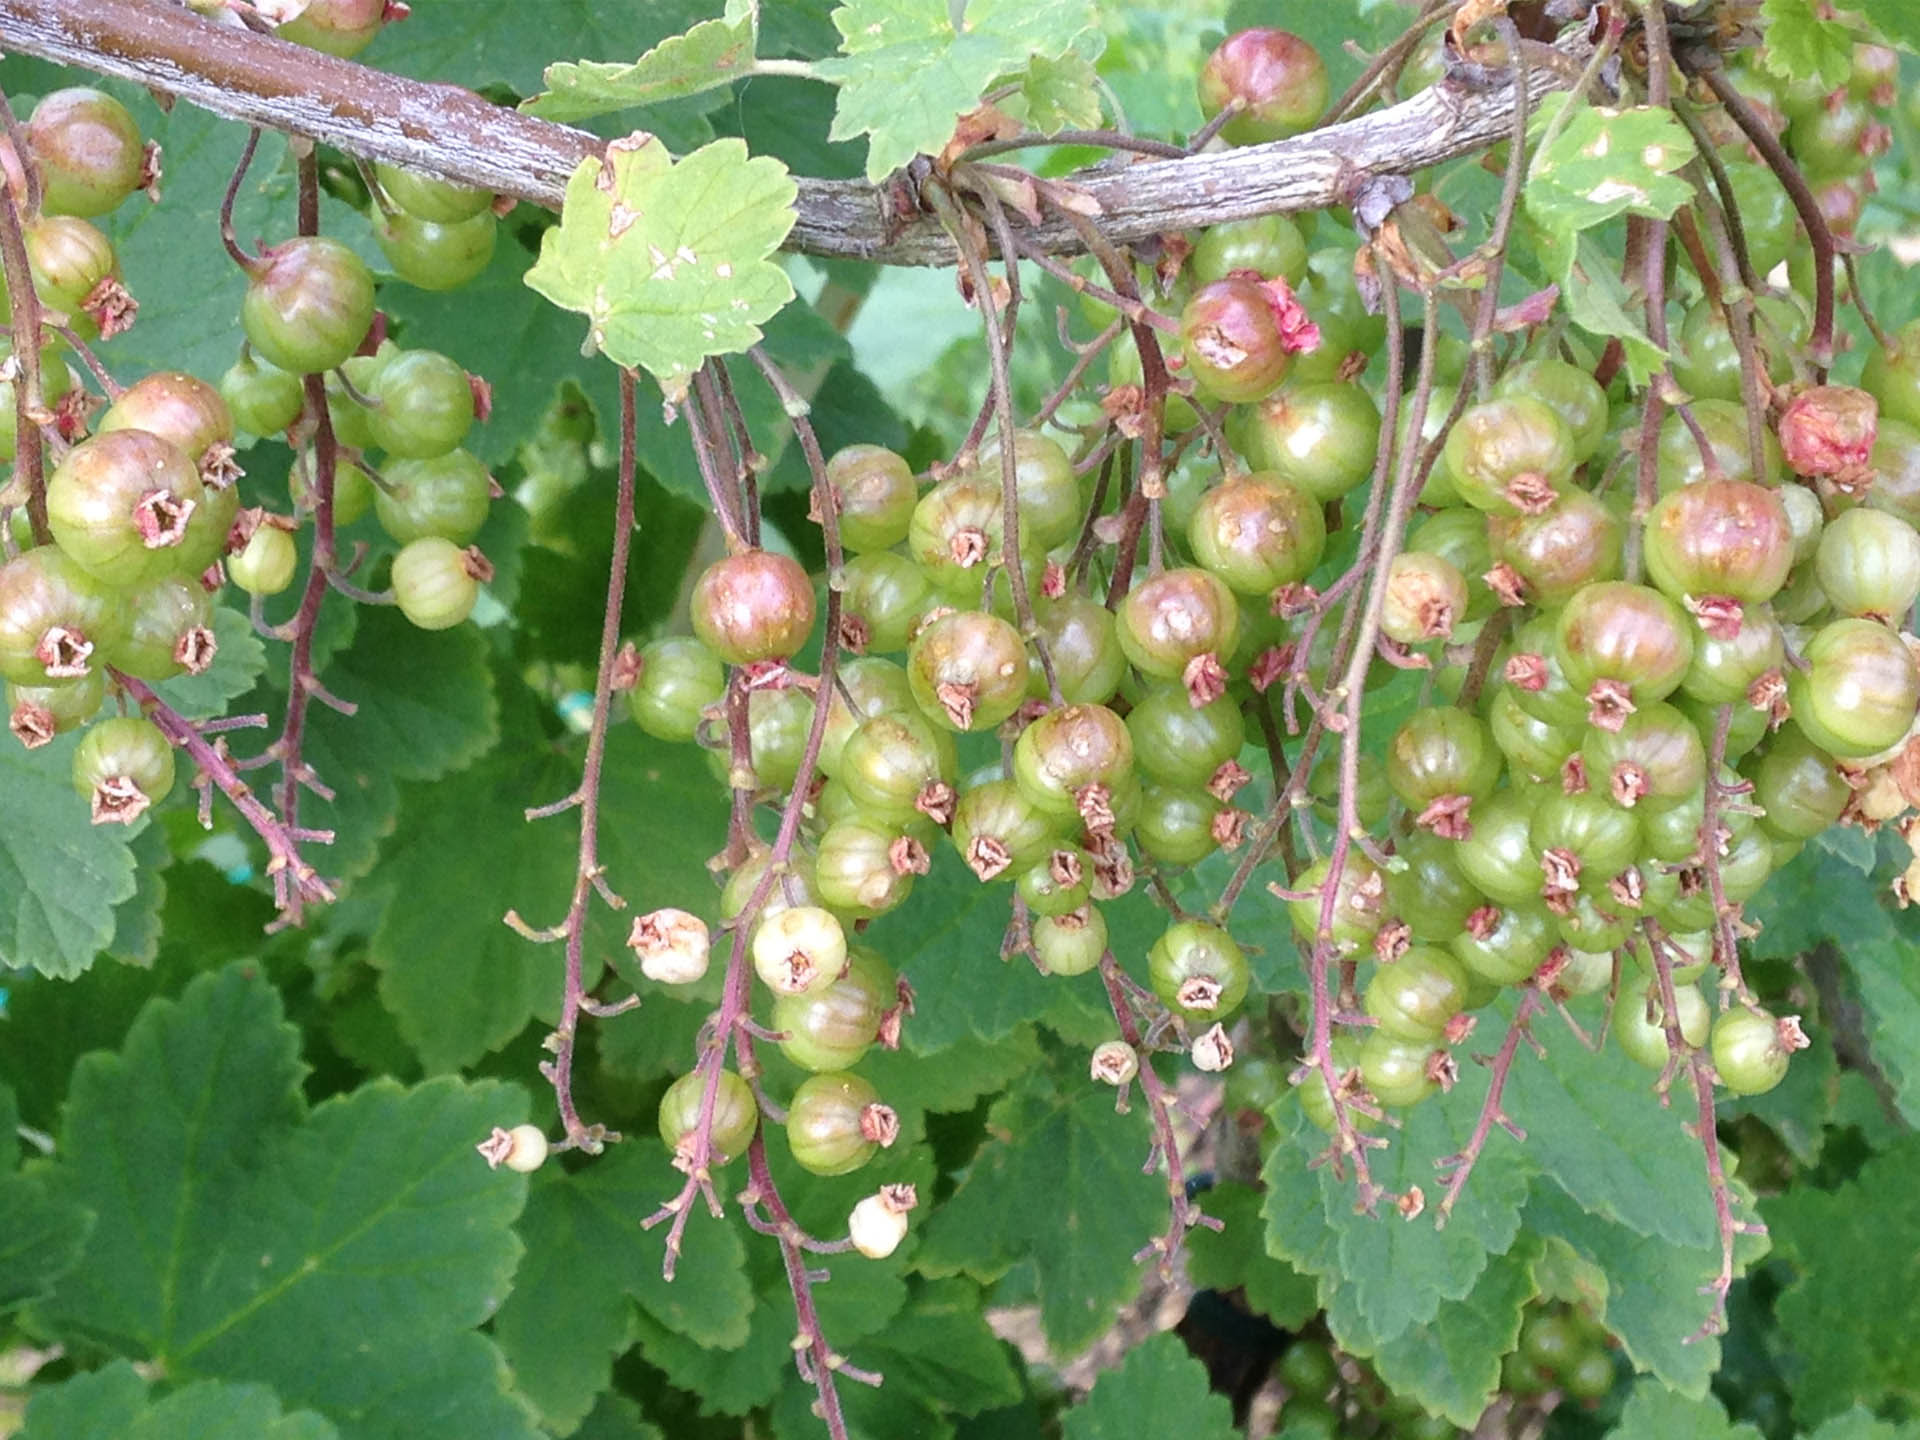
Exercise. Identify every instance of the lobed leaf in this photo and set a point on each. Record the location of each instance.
(1160, 1389)
(712, 54)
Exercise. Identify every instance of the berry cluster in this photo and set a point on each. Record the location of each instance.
(124, 552)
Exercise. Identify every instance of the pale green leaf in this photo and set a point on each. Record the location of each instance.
(112, 1404)
(1598, 301)
(1061, 94)
(1452, 1367)
(233, 1232)
(712, 54)
(1059, 1181)
(907, 75)
(1604, 162)
(1857, 1251)
(1161, 1389)
(588, 1260)
(60, 875)
(669, 261)
(1801, 46)
(1653, 1412)
(1859, 1424)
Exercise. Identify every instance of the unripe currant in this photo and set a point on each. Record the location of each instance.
(1114, 1063)
(679, 679)
(837, 1122)
(672, 945)
(436, 583)
(874, 495)
(968, 670)
(757, 605)
(736, 1115)
(337, 27)
(119, 505)
(1072, 943)
(1198, 970)
(265, 564)
(833, 1027)
(1211, 1050)
(1751, 1049)
(1275, 83)
(800, 950)
(88, 149)
(55, 619)
(433, 256)
(522, 1149)
(430, 198)
(308, 305)
(423, 405)
(186, 412)
(122, 766)
(446, 496)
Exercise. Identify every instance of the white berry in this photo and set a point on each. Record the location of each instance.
(672, 946)
(879, 1223)
(1213, 1050)
(1115, 1062)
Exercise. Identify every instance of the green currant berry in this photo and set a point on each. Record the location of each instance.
(1510, 456)
(897, 766)
(864, 688)
(1359, 902)
(757, 605)
(1724, 424)
(873, 495)
(1198, 970)
(1430, 894)
(863, 868)
(1175, 618)
(1616, 642)
(736, 1115)
(1655, 759)
(1056, 884)
(263, 399)
(679, 680)
(1797, 786)
(1081, 641)
(799, 951)
(1640, 1019)
(1724, 539)
(122, 766)
(433, 256)
(833, 1027)
(88, 149)
(168, 630)
(348, 415)
(1573, 543)
(119, 504)
(309, 304)
(1045, 487)
(266, 563)
(1070, 944)
(1751, 1049)
(77, 274)
(1567, 390)
(1860, 690)
(1318, 436)
(428, 198)
(1442, 754)
(1267, 245)
(186, 412)
(999, 832)
(1505, 946)
(1176, 825)
(1179, 743)
(56, 621)
(968, 670)
(837, 1122)
(883, 600)
(1275, 82)
(1400, 1073)
(1498, 855)
(56, 383)
(446, 497)
(436, 583)
(1416, 996)
(38, 713)
(1257, 532)
(1066, 751)
(423, 405)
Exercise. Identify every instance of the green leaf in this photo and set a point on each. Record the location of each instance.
(1895, 19)
(1598, 301)
(237, 665)
(112, 1404)
(1857, 1250)
(1394, 1273)
(1161, 1389)
(588, 1261)
(669, 261)
(425, 707)
(954, 1078)
(1803, 47)
(1059, 1181)
(1452, 1367)
(1595, 1126)
(939, 1358)
(1653, 1412)
(1858, 1424)
(1061, 94)
(860, 1297)
(1606, 161)
(233, 1232)
(616, 1418)
(907, 74)
(1235, 1258)
(60, 875)
(1654, 1301)
(42, 1237)
(712, 54)
(1820, 898)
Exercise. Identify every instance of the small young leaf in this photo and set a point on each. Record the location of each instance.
(907, 74)
(669, 261)
(1802, 46)
(1061, 94)
(712, 54)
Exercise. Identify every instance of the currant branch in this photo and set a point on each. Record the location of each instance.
(1459, 1167)
(29, 465)
(452, 134)
(589, 873)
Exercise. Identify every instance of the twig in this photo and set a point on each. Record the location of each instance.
(1459, 1166)
(28, 405)
(589, 874)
